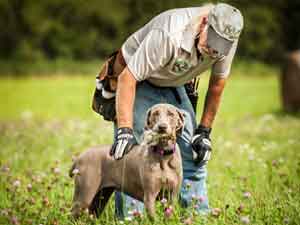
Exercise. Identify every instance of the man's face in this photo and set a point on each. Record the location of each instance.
(204, 48)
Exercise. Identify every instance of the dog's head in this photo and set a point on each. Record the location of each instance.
(163, 123)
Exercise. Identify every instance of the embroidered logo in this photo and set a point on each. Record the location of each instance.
(181, 66)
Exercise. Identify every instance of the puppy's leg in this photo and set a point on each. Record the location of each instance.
(86, 187)
(100, 200)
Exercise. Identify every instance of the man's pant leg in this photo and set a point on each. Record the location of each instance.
(193, 191)
(146, 97)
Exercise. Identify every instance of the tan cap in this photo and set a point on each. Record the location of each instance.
(225, 25)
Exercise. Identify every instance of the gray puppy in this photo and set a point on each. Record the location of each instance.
(147, 170)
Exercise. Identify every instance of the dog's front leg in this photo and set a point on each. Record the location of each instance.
(149, 202)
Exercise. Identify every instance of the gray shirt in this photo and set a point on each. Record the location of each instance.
(164, 52)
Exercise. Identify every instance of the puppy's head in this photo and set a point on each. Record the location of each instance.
(164, 122)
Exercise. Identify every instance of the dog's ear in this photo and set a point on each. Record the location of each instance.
(147, 121)
(180, 122)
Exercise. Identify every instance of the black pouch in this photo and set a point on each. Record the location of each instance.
(191, 90)
(103, 105)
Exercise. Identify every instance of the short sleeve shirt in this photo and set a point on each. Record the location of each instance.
(164, 52)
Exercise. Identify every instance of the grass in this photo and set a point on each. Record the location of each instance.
(254, 174)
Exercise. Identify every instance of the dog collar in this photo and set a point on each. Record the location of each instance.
(162, 151)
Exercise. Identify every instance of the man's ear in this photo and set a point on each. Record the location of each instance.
(204, 21)
(180, 122)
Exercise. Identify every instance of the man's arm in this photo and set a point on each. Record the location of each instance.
(201, 143)
(124, 107)
(212, 100)
(125, 98)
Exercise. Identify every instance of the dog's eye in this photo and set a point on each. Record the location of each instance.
(155, 114)
(171, 114)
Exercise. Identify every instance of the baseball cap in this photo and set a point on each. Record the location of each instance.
(225, 25)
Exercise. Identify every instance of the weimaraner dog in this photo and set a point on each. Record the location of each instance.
(146, 171)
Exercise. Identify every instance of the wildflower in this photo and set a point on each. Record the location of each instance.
(245, 219)
(286, 220)
(194, 197)
(201, 198)
(75, 171)
(29, 187)
(136, 213)
(216, 212)
(14, 220)
(275, 163)
(46, 201)
(56, 170)
(31, 201)
(17, 183)
(168, 211)
(240, 209)
(128, 218)
(196, 206)
(5, 169)
(188, 221)
(4, 212)
(247, 194)
(163, 201)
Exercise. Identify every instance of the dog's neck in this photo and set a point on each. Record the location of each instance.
(164, 150)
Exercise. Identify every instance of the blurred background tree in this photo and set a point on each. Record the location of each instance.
(83, 30)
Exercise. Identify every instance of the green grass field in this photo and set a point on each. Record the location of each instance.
(254, 173)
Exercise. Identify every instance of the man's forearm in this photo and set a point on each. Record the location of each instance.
(212, 100)
(125, 99)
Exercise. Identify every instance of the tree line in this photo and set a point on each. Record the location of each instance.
(89, 29)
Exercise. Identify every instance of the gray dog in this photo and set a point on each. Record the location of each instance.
(145, 172)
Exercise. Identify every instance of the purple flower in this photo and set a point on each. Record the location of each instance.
(168, 211)
(201, 198)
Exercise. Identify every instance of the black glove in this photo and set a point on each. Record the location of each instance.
(124, 142)
(201, 144)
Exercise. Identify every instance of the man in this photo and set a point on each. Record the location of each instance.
(172, 49)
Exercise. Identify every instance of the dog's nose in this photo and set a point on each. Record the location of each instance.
(162, 127)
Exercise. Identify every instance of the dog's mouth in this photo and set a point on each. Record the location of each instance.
(157, 138)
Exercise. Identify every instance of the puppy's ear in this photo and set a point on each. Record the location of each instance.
(180, 122)
(147, 121)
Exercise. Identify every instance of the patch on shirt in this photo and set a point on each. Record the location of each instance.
(181, 66)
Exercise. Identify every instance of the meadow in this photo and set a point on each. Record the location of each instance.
(254, 173)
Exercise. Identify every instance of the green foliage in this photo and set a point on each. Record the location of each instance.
(32, 30)
(254, 173)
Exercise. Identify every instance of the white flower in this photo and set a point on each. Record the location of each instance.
(56, 170)
(17, 183)
(128, 218)
(245, 219)
(247, 194)
(75, 171)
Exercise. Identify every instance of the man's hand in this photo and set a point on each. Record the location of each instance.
(124, 142)
(201, 144)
